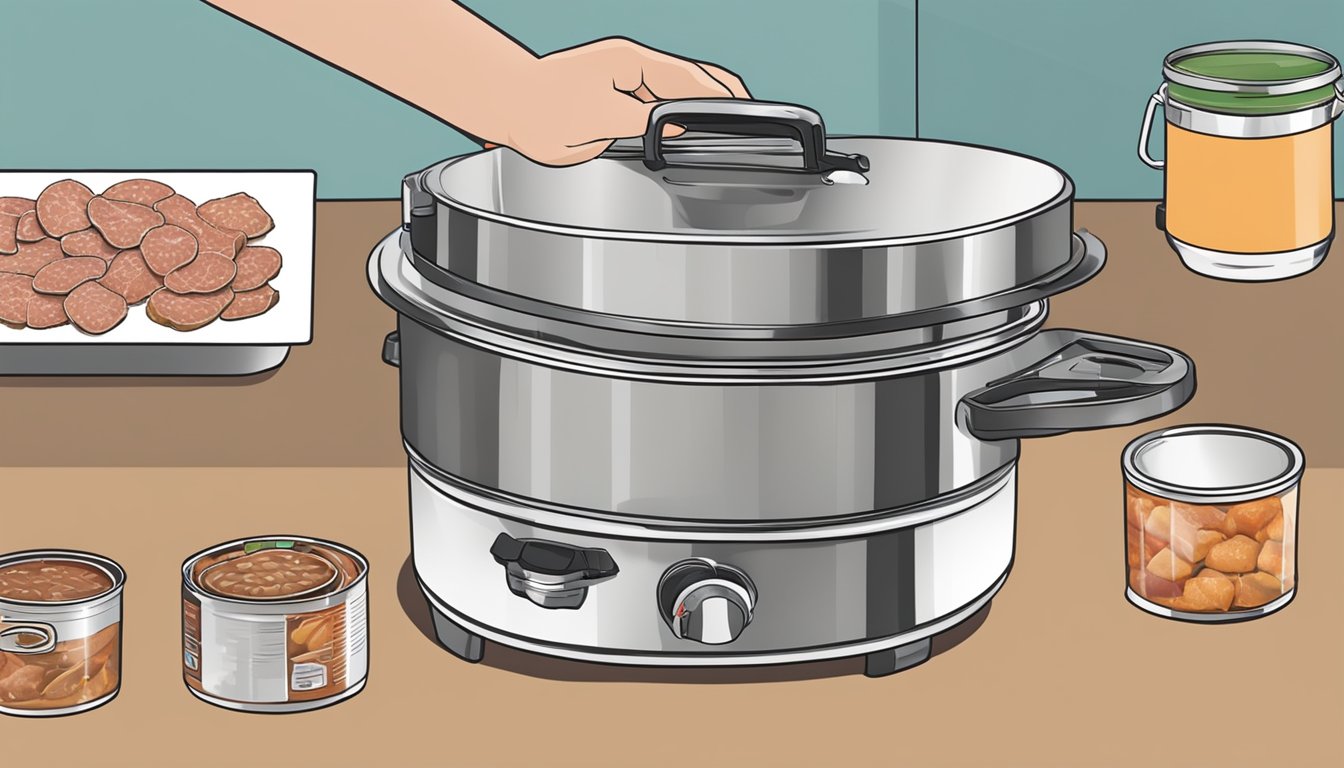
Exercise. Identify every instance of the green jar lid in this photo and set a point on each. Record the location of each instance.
(1248, 77)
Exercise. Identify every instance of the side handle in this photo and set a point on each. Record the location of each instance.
(392, 349)
(1158, 99)
(1075, 381)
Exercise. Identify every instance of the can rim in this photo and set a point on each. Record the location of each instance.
(106, 565)
(191, 585)
(1289, 477)
(1265, 87)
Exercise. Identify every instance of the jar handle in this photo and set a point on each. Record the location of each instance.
(10, 634)
(1339, 100)
(748, 118)
(1158, 99)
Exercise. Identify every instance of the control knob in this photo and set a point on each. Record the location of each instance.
(705, 601)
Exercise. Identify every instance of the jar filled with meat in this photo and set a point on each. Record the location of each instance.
(1211, 522)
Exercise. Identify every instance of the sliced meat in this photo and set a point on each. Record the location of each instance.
(62, 207)
(240, 212)
(15, 293)
(9, 233)
(94, 309)
(207, 273)
(142, 191)
(29, 231)
(257, 264)
(123, 224)
(181, 211)
(63, 275)
(168, 247)
(251, 303)
(187, 312)
(46, 311)
(32, 257)
(130, 276)
(16, 206)
(88, 242)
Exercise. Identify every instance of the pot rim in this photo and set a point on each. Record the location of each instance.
(1273, 485)
(1265, 87)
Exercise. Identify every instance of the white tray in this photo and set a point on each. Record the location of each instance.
(139, 346)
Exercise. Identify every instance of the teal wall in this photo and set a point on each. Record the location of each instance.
(174, 83)
(1067, 80)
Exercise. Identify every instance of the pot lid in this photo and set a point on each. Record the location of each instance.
(754, 218)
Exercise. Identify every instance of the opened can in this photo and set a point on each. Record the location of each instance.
(1248, 170)
(275, 624)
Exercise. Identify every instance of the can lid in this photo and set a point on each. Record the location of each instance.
(1251, 77)
(1213, 463)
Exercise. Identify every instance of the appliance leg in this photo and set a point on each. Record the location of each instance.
(883, 663)
(460, 642)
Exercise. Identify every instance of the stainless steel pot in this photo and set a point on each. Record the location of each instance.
(649, 397)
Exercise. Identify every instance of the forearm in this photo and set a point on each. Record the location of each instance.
(433, 53)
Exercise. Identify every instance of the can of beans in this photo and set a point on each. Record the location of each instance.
(60, 632)
(275, 624)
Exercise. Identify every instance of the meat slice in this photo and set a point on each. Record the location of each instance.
(181, 211)
(130, 276)
(88, 242)
(15, 293)
(207, 273)
(187, 312)
(31, 257)
(29, 231)
(142, 191)
(239, 212)
(257, 264)
(63, 275)
(168, 247)
(123, 224)
(46, 311)
(94, 309)
(9, 233)
(62, 207)
(251, 303)
(16, 206)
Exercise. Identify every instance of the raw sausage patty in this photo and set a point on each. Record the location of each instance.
(63, 275)
(94, 309)
(257, 264)
(207, 273)
(62, 207)
(123, 224)
(168, 247)
(142, 191)
(129, 276)
(239, 212)
(187, 312)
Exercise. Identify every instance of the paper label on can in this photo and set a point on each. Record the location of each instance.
(191, 640)
(316, 652)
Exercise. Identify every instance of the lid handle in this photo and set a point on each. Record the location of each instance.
(749, 118)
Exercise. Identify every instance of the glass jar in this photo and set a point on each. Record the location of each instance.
(60, 632)
(1211, 522)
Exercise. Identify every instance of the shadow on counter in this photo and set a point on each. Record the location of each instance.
(415, 607)
(110, 382)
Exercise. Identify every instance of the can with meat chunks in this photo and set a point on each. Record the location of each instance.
(275, 624)
(60, 632)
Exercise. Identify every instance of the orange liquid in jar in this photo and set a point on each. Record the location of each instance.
(1249, 195)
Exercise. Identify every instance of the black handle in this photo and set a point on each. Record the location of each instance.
(748, 118)
(392, 349)
(552, 558)
(1076, 381)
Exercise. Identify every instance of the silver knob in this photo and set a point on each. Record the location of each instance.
(705, 601)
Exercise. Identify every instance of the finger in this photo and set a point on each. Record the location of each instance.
(643, 94)
(578, 154)
(729, 80)
(669, 77)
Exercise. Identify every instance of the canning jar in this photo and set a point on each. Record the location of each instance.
(1248, 172)
(60, 632)
(1211, 522)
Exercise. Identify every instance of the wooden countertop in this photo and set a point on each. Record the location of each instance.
(1062, 671)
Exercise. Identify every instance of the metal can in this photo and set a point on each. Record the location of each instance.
(275, 624)
(60, 632)
(1211, 522)
(1248, 173)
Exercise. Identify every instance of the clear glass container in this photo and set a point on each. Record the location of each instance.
(1211, 522)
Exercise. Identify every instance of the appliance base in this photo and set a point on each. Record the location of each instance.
(1250, 267)
(466, 640)
(139, 360)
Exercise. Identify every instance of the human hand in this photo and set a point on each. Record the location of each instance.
(569, 106)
